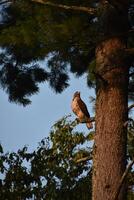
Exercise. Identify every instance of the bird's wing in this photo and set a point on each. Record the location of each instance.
(83, 107)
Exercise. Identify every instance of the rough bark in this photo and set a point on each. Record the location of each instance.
(109, 161)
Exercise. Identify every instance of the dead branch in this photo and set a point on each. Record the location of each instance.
(75, 8)
(121, 182)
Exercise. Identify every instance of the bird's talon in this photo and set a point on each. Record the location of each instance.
(77, 121)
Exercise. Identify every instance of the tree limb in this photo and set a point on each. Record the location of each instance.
(130, 107)
(117, 192)
(118, 4)
(75, 8)
(84, 159)
(85, 9)
(126, 123)
(92, 119)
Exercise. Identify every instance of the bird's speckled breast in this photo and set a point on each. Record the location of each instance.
(76, 109)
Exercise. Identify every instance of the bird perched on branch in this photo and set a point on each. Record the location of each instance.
(80, 110)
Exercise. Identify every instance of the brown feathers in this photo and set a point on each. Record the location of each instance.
(80, 110)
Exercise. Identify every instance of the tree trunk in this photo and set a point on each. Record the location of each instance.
(111, 113)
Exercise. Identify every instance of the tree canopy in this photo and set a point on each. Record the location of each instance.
(64, 38)
(53, 171)
(60, 167)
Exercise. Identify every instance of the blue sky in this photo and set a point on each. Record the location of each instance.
(29, 125)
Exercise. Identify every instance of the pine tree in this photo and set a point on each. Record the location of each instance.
(95, 37)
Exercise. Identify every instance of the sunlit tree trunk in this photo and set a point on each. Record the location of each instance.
(109, 160)
(111, 114)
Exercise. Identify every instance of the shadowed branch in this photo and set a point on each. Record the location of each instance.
(130, 107)
(85, 9)
(117, 192)
(75, 8)
(84, 159)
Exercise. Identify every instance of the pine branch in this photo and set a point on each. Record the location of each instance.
(117, 192)
(75, 8)
(4, 2)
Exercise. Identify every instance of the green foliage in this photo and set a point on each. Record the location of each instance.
(90, 77)
(31, 32)
(21, 82)
(64, 39)
(130, 149)
(55, 170)
(51, 171)
(131, 139)
(130, 196)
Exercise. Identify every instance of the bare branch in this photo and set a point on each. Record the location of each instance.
(88, 10)
(84, 159)
(92, 119)
(75, 8)
(127, 122)
(117, 192)
(130, 107)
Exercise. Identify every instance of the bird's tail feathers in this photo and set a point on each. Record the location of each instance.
(89, 125)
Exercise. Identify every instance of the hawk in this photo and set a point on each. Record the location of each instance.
(80, 110)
